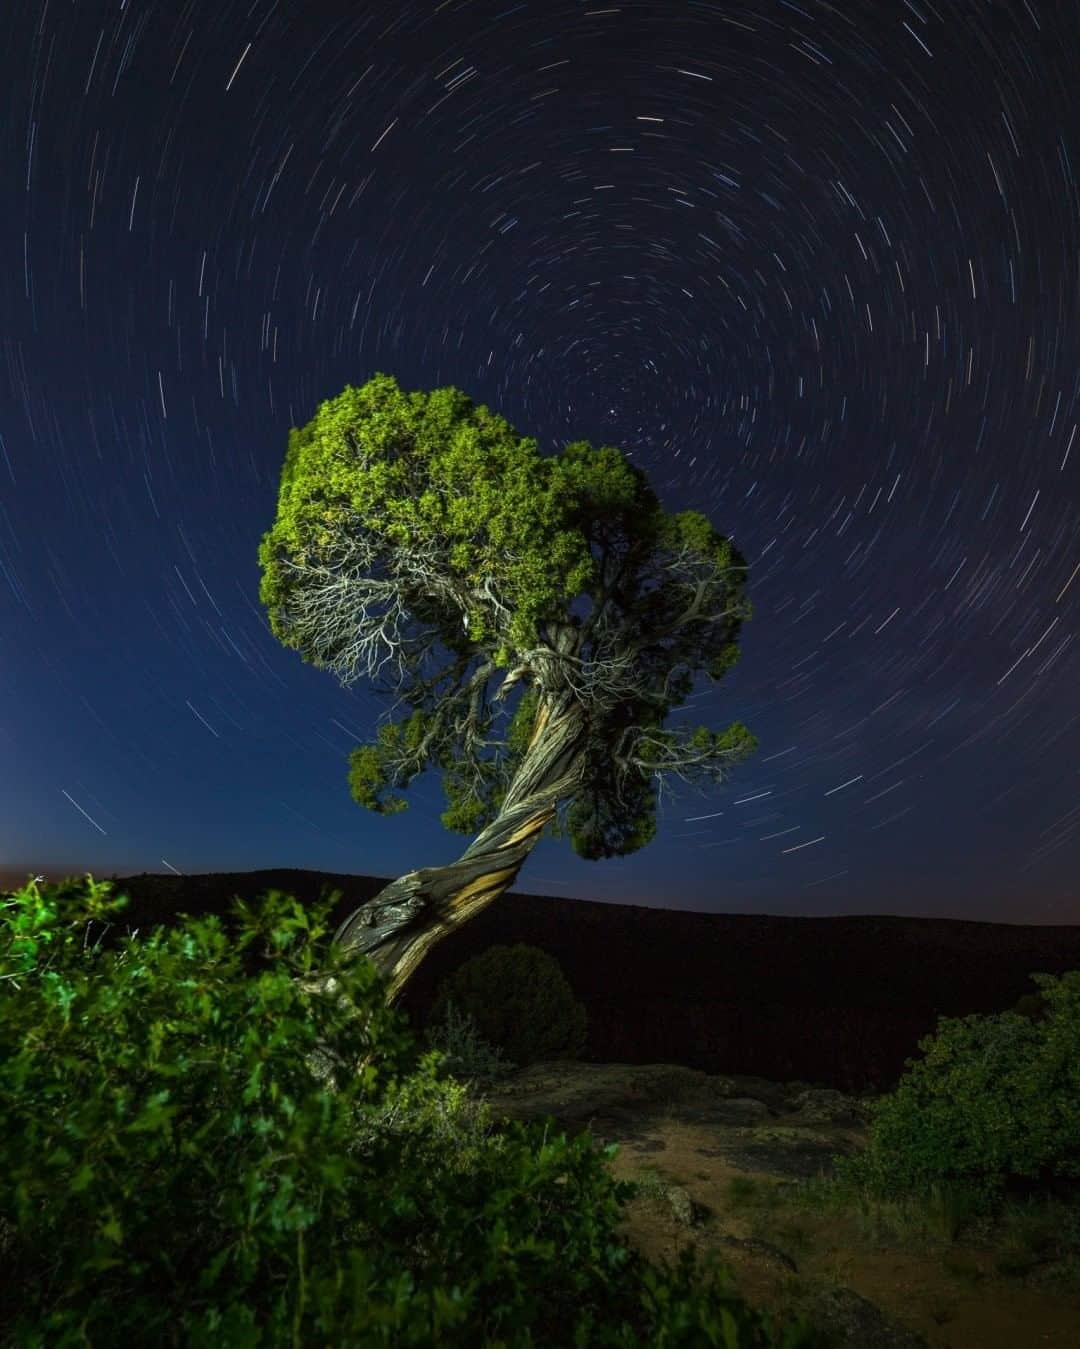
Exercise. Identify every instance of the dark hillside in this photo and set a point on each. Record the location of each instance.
(841, 1001)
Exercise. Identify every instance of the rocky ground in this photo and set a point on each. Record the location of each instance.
(723, 1156)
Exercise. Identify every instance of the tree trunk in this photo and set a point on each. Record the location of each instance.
(405, 920)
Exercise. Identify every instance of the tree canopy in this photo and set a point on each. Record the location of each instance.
(419, 531)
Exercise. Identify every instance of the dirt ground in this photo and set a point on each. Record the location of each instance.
(690, 1135)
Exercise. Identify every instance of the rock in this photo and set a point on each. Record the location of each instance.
(688, 1211)
(734, 1112)
(754, 1246)
(855, 1323)
(786, 1154)
(823, 1105)
(743, 1110)
(681, 1204)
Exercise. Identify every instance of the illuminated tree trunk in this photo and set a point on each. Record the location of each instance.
(398, 928)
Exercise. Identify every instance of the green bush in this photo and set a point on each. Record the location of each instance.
(993, 1099)
(520, 1001)
(171, 1171)
(466, 1054)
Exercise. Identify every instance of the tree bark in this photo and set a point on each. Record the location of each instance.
(404, 921)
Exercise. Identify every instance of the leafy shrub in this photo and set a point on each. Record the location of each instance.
(994, 1098)
(467, 1054)
(520, 1001)
(171, 1172)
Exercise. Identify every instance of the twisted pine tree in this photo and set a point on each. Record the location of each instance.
(419, 535)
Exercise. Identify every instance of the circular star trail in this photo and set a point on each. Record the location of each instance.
(814, 267)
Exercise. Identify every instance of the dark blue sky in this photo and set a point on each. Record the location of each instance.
(815, 267)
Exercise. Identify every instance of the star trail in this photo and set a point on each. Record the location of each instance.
(814, 267)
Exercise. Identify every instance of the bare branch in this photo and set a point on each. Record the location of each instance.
(324, 611)
(355, 623)
(652, 751)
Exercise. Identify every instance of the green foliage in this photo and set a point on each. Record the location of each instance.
(440, 1112)
(367, 769)
(406, 517)
(600, 826)
(520, 1001)
(604, 823)
(735, 740)
(993, 1099)
(465, 813)
(470, 809)
(410, 470)
(172, 1172)
(468, 1056)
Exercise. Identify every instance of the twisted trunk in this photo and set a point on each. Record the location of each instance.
(405, 920)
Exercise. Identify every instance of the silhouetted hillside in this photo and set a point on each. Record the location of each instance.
(841, 1001)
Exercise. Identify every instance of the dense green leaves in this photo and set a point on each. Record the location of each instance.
(419, 470)
(171, 1172)
(416, 527)
(992, 1099)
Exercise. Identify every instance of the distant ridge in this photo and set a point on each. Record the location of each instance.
(369, 886)
(840, 1000)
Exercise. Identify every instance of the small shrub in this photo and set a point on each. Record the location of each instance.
(992, 1100)
(466, 1054)
(949, 1208)
(171, 1171)
(650, 1184)
(1035, 1229)
(520, 1001)
(440, 1111)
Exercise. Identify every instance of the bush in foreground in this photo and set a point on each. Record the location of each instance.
(994, 1100)
(172, 1172)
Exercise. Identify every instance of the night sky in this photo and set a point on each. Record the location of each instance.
(815, 267)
